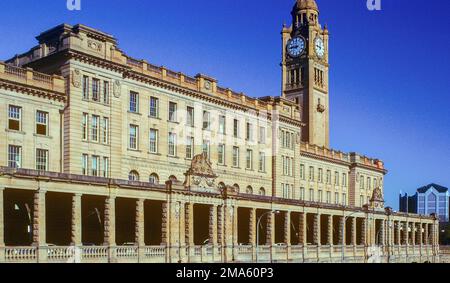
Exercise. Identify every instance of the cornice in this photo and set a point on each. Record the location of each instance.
(32, 90)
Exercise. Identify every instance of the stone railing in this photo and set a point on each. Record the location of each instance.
(31, 78)
(214, 254)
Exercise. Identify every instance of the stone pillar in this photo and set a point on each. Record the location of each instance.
(330, 230)
(228, 231)
(140, 223)
(316, 231)
(213, 225)
(235, 226)
(433, 234)
(342, 231)
(220, 226)
(427, 236)
(287, 228)
(252, 227)
(420, 239)
(363, 233)
(399, 234)
(302, 229)
(354, 231)
(165, 225)
(189, 224)
(39, 228)
(413, 233)
(110, 222)
(270, 229)
(2, 227)
(405, 233)
(182, 231)
(383, 233)
(76, 220)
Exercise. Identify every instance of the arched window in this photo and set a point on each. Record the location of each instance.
(249, 190)
(133, 176)
(221, 186)
(262, 192)
(173, 178)
(153, 179)
(236, 187)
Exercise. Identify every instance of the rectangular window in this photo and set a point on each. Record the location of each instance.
(41, 159)
(222, 123)
(249, 159)
(336, 178)
(344, 199)
(153, 141)
(41, 123)
(369, 183)
(14, 156)
(311, 174)
(84, 126)
(106, 92)
(262, 135)
(344, 179)
(320, 175)
(235, 156)
(206, 120)
(172, 112)
(336, 198)
(320, 196)
(221, 154)
(105, 167)
(236, 128)
(105, 130)
(172, 144)
(134, 102)
(361, 200)
(302, 194)
(249, 136)
(190, 116)
(328, 177)
(361, 183)
(84, 164)
(95, 166)
(262, 162)
(311, 194)
(94, 128)
(154, 107)
(328, 197)
(14, 118)
(206, 148)
(95, 90)
(85, 87)
(133, 137)
(302, 171)
(189, 147)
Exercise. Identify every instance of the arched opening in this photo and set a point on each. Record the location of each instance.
(173, 179)
(236, 187)
(133, 176)
(262, 192)
(153, 179)
(249, 190)
(221, 186)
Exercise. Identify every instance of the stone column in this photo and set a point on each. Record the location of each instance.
(140, 223)
(413, 233)
(189, 224)
(383, 233)
(342, 231)
(316, 231)
(165, 225)
(39, 228)
(287, 228)
(427, 236)
(302, 229)
(213, 225)
(405, 233)
(330, 230)
(235, 226)
(252, 227)
(399, 234)
(270, 239)
(76, 220)
(181, 231)
(354, 231)
(110, 222)
(228, 231)
(420, 234)
(363, 233)
(2, 227)
(220, 226)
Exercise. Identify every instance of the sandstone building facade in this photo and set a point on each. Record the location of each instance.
(106, 158)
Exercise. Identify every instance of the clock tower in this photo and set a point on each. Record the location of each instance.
(305, 70)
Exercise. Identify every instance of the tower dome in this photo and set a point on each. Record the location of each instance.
(307, 5)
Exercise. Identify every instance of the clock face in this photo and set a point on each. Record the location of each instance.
(319, 46)
(296, 46)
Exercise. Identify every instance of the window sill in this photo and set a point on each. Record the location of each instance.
(134, 150)
(173, 122)
(234, 167)
(15, 131)
(135, 113)
(43, 136)
(221, 165)
(154, 118)
(154, 153)
(249, 170)
(172, 156)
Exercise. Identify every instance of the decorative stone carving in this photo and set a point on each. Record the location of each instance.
(201, 177)
(76, 78)
(117, 89)
(377, 201)
(97, 46)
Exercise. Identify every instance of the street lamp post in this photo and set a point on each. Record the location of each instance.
(257, 229)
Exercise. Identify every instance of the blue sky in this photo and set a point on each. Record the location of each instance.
(390, 74)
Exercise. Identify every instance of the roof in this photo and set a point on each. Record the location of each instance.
(438, 188)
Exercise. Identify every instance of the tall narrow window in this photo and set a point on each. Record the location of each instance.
(105, 167)
(95, 128)
(336, 178)
(95, 90)
(14, 156)
(320, 175)
(344, 179)
(328, 197)
(302, 171)
(84, 126)
(84, 164)
(302, 194)
(190, 116)
(311, 194)
(14, 118)
(249, 132)
(41, 160)
(249, 159)
(106, 92)
(222, 123)
(344, 199)
(172, 144)
(172, 112)
(153, 141)
(189, 147)
(328, 177)
(236, 128)
(361, 183)
(221, 154)
(105, 130)
(85, 87)
(311, 174)
(41, 123)
(134, 102)
(206, 120)
(262, 162)
(262, 135)
(154, 107)
(206, 148)
(133, 140)
(336, 198)
(95, 166)
(235, 156)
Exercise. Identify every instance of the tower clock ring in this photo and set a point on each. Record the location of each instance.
(319, 47)
(296, 46)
